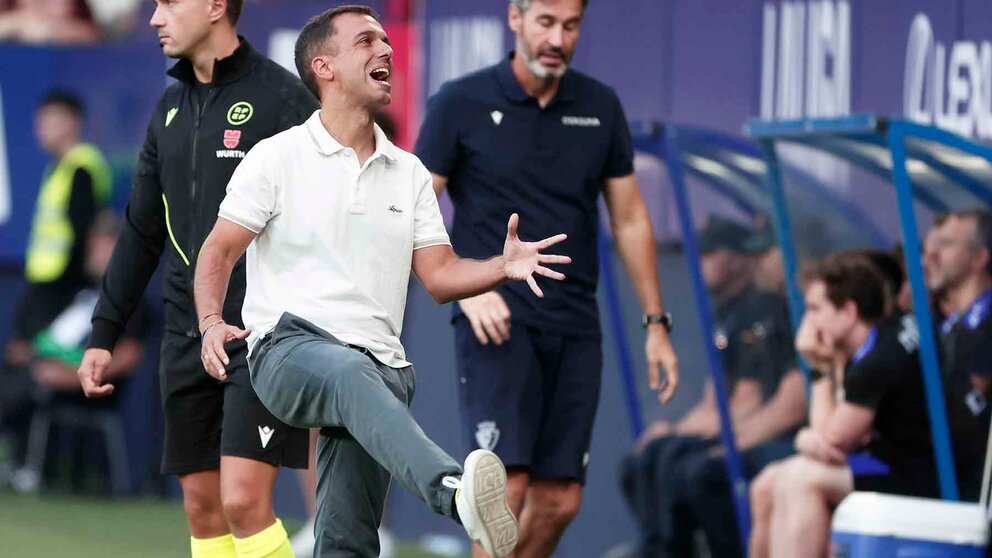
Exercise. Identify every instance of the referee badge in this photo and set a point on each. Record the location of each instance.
(487, 435)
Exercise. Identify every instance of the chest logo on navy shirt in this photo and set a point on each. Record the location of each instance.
(581, 121)
(497, 117)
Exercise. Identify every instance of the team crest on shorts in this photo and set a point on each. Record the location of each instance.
(487, 435)
(231, 138)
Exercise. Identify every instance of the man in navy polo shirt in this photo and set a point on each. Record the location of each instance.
(961, 269)
(531, 136)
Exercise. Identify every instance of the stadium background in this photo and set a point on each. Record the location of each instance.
(710, 63)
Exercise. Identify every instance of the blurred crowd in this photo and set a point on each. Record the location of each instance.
(66, 21)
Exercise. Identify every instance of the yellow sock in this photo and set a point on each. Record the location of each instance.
(271, 542)
(216, 547)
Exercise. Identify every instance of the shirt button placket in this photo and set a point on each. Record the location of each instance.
(358, 205)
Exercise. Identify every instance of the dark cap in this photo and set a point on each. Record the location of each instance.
(762, 238)
(720, 233)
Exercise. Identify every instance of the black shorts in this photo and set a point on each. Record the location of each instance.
(531, 400)
(205, 418)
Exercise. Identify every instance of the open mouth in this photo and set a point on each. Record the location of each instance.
(380, 74)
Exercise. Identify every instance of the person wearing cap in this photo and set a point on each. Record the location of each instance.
(675, 478)
(769, 271)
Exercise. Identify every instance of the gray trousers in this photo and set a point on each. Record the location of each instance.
(308, 378)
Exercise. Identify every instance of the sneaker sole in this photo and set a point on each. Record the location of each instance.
(487, 496)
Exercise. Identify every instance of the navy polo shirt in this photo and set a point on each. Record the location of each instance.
(502, 153)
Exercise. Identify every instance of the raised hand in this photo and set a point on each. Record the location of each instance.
(523, 259)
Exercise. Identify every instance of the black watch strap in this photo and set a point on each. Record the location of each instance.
(815, 374)
(664, 319)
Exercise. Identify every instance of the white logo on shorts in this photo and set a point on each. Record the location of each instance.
(497, 117)
(487, 435)
(265, 433)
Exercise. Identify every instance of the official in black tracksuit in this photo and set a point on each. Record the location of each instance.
(197, 136)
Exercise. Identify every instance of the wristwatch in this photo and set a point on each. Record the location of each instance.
(815, 374)
(663, 319)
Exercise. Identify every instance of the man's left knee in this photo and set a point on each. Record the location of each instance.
(556, 502)
(246, 493)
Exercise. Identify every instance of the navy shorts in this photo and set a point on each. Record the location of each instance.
(531, 400)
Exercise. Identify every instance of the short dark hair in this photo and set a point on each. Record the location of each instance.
(850, 276)
(313, 36)
(234, 8)
(524, 5)
(63, 98)
(983, 229)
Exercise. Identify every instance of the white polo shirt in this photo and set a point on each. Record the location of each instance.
(335, 240)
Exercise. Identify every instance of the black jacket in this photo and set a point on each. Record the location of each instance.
(183, 169)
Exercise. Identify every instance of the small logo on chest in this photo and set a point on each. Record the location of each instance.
(581, 121)
(394, 209)
(231, 138)
(497, 117)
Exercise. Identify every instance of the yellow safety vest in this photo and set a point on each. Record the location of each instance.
(52, 236)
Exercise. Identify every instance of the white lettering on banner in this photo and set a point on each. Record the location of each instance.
(806, 72)
(952, 93)
(461, 45)
(4, 171)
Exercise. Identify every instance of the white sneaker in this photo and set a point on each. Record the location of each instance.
(303, 541)
(481, 502)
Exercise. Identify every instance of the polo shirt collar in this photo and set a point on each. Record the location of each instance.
(327, 145)
(512, 89)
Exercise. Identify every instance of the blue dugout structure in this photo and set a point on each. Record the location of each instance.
(939, 169)
(734, 169)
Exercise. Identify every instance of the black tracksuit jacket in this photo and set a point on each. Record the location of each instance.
(196, 138)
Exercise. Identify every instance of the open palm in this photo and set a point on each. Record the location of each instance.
(524, 259)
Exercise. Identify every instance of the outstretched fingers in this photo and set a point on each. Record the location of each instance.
(549, 273)
(533, 286)
(553, 259)
(550, 241)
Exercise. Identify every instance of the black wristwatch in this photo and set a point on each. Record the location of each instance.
(663, 319)
(815, 374)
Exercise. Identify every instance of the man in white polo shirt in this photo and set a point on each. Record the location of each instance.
(339, 217)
